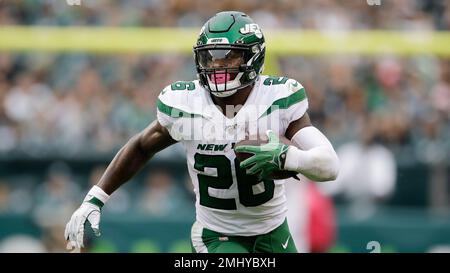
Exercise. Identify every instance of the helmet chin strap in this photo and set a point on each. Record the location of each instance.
(223, 94)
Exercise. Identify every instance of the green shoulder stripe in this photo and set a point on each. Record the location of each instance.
(285, 103)
(174, 112)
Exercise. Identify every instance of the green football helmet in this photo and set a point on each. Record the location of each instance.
(229, 54)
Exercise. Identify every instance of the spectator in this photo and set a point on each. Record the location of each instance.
(161, 196)
(56, 197)
(367, 174)
(4, 197)
(21, 244)
(121, 198)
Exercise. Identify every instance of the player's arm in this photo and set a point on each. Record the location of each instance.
(128, 161)
(313, 156)
(133, 156)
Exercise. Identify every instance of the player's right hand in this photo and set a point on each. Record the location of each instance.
(90, 210)
(266, 158)
(74, 232)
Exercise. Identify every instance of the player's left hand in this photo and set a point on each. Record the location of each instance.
(267, 158)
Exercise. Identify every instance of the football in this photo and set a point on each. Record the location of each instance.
(262, 139)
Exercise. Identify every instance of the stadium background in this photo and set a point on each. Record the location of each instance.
(77, 81)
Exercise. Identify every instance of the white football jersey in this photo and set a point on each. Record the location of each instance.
(227, 199)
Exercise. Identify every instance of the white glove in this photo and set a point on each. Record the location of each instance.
(89, 210)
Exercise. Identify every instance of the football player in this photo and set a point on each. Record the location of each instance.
(238, 207)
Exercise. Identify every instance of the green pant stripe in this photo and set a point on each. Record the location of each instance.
(278, 240)
(197, 242)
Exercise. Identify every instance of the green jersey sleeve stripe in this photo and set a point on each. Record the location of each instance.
(96, 201)
(174, 112)
(285, 103)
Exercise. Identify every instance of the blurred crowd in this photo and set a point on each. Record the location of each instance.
(49, 203)
(334, 14)
(378, 112)
(401, 103)
(72, 104)
(76, 103)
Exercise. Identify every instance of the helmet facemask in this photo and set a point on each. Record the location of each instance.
(225, 68)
